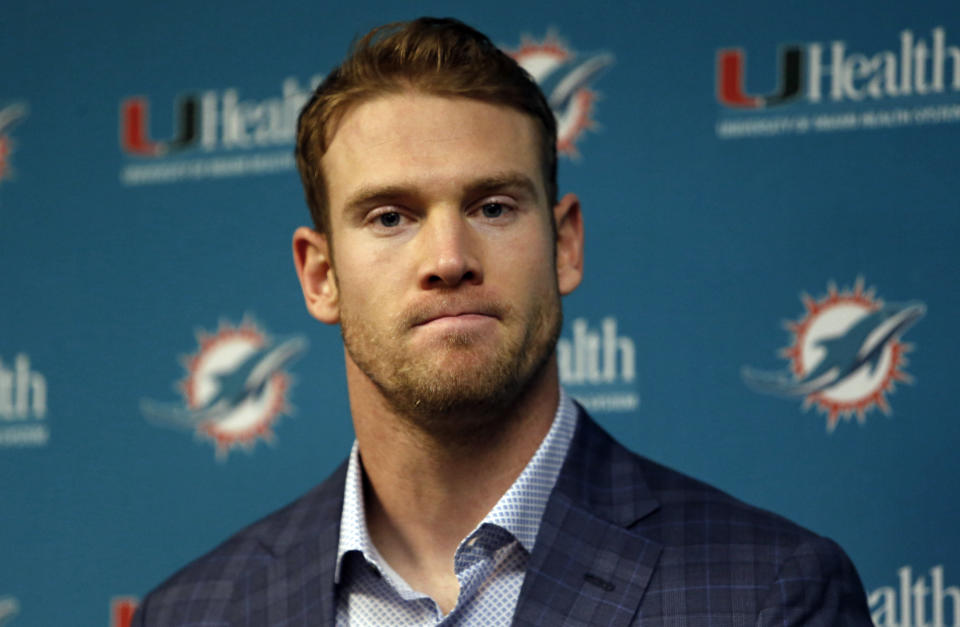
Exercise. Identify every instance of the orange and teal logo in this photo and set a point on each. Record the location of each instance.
(235, 389)
(846, 354)
(566, 79)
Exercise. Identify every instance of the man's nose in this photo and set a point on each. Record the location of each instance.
(450, 251)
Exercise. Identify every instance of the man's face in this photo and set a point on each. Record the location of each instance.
(444, 259)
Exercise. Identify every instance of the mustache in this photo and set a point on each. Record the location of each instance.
(422, 312)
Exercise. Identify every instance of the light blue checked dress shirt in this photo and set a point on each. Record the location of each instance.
(490, 562)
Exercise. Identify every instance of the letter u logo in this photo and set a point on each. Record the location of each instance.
(135, 127)
(731, 75)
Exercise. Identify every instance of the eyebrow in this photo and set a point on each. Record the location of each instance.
(372, 195)
(506, 180)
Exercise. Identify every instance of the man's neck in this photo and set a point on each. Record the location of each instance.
(424, 494)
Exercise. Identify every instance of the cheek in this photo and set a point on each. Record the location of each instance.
(528, 270)
(359, 261)
(369, 284)
(531, 255)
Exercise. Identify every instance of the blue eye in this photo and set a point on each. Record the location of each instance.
(389, 219)
(492, 210)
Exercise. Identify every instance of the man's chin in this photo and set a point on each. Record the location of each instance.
(454, 383)
(451, 413)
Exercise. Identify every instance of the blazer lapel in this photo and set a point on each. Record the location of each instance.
(295, 586)
(587, 566)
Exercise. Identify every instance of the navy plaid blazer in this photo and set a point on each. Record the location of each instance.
(624, 541)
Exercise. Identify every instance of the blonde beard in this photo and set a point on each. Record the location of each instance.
(448, 396)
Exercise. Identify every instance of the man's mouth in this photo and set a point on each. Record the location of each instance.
(465, 316)
(455, 315)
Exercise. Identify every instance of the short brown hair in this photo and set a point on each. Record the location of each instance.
(435, 55)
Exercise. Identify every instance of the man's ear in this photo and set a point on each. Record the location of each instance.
(569, 224)
(311, 256)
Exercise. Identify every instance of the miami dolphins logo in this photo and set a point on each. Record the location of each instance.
(565, 78)
(846, 354)
(235, 388)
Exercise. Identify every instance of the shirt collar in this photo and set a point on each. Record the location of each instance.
(519, 511)
(521, 507)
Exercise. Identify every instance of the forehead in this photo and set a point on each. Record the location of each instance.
(428, 141)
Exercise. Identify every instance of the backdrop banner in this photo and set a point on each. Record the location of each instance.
(771, 210)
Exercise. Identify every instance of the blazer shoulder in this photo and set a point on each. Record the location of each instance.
(795, 576)
(682, 501)
(684, 549)
(685, 498)
(776, 569)
(213, 575)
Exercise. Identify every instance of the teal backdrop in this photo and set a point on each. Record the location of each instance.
(769, 189)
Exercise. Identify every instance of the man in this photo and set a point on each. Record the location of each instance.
(477, 492)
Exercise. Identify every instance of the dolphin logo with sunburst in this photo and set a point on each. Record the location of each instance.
(846, 354)
(565, 78)
(236, 386)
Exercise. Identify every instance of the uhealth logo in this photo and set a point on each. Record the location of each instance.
(846, 354)
(915, 83)
(214, 134)
(817, 72)
(214, 120)
(235, 389)
(565, 78)
(915, 602)
(10, 115)
(599, 366)
(23, 404)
